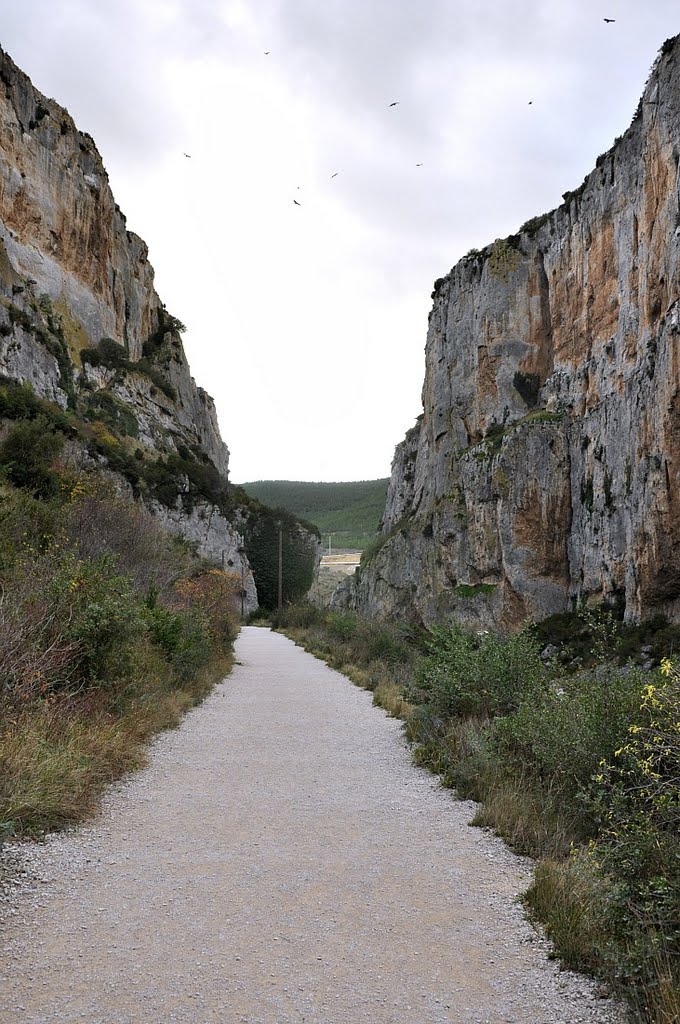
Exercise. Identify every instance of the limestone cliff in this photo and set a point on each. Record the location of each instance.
(81, 322)
(545, 469)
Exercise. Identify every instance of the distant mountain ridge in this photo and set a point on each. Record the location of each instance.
(350, 510)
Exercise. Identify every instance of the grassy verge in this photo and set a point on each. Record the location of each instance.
(57, 757)
(110, 630)
(573, 752)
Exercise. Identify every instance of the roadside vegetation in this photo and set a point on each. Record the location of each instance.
(109, 629)
(568, 736)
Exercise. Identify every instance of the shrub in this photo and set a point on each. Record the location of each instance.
(297, 616)
(27, 455)
(19, 402)
(636, 796)
(114, 356)
(467, 674)
(562, 733)
(117, 415)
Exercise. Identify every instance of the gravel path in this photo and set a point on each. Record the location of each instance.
(280, 860)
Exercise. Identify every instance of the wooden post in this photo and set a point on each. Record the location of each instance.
(280, 566)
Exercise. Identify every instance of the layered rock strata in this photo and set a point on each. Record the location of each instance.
(545, 469)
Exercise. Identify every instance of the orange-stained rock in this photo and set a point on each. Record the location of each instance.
(545, 469)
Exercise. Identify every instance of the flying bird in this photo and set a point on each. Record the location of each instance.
(419, 165)
(395, 104)
(296, 202)
(267, 52)
(530, 102)
(335, 175)
(609, 21)
(188, 156)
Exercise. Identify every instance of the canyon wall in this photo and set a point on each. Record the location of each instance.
(72, 274)
(545, 469)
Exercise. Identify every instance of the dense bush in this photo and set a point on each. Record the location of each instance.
(27, 455)
(470, 674)
(562, 733)
(109, 629)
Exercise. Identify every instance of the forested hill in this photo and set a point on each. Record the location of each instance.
(352, 510)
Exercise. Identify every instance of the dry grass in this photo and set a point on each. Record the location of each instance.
(390, 696)
(563, 896)
(529, 820)
(661, 1004)
(58, 756)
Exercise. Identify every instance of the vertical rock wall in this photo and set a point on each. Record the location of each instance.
(545, 469)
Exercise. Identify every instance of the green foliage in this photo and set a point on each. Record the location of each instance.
(667, 45)
(352, 511)
(184, 639)
(108, 630)
(565, 730)
(378, 652)
(110, 354)
(541, 416)
(437, 286)
(116, 414)
(48, 330)
(569, 197)
(27, 455)
(532, 226)
(299, 549)
(468, 674)
(474, 589)
(636, 796)
(107, 620)
(581, 768)
(154, 344)
(375, 546)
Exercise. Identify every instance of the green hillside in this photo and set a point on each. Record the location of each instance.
(351, 511)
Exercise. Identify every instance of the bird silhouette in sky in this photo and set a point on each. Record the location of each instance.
(188, 156)
(296, 202)
(419, 165)
(335, 175)
(609, 21)
(395, 104)
(267, 52)
(530, 102)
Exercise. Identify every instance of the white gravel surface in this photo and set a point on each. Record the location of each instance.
(280, 860)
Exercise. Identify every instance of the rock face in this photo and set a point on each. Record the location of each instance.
(545, 469)
(71, 274)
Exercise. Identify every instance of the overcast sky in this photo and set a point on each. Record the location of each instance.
(307, 323)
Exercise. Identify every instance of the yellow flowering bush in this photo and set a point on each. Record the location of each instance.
(637, 796)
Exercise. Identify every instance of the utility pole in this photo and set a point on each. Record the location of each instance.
(280, 566)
